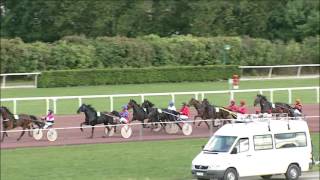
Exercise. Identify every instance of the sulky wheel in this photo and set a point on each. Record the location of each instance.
(157, 127)
(187, 129)
(126, 131)
(52, 135)
(37, 134)
(174, 128)
(167, 128)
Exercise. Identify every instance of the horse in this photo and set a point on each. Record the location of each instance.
(268, 107)
(139, 113)
(11, 121)
(204, 110)
(92, 118)
(164, 115)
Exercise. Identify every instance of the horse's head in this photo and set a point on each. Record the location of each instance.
(5, 112)
(193, 102)
(259, 99)
(82, 108)
(205, 102)
(147, 104)
(132, 103)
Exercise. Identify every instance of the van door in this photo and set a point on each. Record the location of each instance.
(264, 155)
(241, 156)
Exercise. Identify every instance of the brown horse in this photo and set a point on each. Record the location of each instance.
(11, 121)
(207, 111)
(202, 111)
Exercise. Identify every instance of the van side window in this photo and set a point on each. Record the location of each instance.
(242, 145)
(262, 142)
(288, 140)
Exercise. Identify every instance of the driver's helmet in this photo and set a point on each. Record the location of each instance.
(242, 102)
(298, 101)
(232, 101)
(171, 103)
(50, 111)
(125, 107)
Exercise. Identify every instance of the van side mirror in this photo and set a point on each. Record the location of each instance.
(234, 151)
(202, 147)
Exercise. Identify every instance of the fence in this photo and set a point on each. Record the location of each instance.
(33, 85)
(172, 94)
(271, 68)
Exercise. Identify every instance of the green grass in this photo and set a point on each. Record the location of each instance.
(101, 104)
(123, 161)
(156, 160)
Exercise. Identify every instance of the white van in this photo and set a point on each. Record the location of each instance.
(256, 149)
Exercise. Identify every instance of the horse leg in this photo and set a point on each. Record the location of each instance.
(81, 126)
(92, 130)
(194, 120)
(29, 132)
(21, 134)
(104, 136)
(207, 124)
(179, 126)
(3, 134)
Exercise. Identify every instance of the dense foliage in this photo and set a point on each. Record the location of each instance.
(78, 52)
(135, 75)
(51, 20)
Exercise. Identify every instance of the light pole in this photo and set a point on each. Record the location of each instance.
(226, 48)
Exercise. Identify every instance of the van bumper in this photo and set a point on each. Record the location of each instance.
(208, 173)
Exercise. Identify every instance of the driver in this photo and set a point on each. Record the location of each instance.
(297, 108)
(124, 115)
(184, 111)
(49, 119)
(171, 106)
(232, 106)
(242, 109)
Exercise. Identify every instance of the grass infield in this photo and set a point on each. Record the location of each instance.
(102, 104)
(156, 160)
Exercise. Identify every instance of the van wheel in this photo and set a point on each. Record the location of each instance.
(266, 177)
(293, 172)
(230, 174)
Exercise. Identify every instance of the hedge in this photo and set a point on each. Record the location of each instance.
(63, 78)
(78, 52)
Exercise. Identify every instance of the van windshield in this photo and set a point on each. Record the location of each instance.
(220, 143)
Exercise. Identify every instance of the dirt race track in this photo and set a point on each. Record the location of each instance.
(75, 136)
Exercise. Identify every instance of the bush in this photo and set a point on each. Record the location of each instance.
(79, 52)
(134, 75)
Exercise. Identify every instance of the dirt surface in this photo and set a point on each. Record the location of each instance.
(75, 136)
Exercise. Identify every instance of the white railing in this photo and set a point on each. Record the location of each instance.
(172, 94)
(298, 75)
(248, 120)
(35, 84)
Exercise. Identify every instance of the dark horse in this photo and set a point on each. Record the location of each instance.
(206, 110)
(10, 121)
(164, 115)
(268, 107)
(139, 113)
(92, 118)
